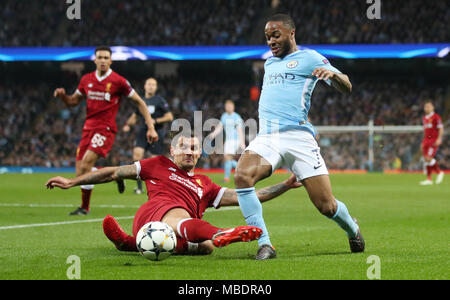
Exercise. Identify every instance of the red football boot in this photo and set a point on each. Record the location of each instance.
(115, 234)
(239, 234)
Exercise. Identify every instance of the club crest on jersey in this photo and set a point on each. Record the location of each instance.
(199, 182)
(108, 87)
(292, 64)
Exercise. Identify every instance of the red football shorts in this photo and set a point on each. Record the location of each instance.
(429, 149)
(152, 211)
(99, 141)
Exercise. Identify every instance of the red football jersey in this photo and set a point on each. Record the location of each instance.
(103, 98)
(431, 125)
(169, 185)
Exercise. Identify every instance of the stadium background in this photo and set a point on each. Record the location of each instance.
(38, 130)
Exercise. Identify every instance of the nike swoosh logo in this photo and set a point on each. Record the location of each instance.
(315, 168)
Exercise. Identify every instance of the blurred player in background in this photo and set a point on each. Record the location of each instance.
(177, 197)
(286, 137)
(232, 123)
(432, 139)
(159, 109)
(103, 90)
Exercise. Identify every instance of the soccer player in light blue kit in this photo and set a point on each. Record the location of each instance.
(231, 122)
(286, 137)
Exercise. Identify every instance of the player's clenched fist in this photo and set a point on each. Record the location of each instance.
(152, 135)
(60, 182)
(59, 92)
(323, 74)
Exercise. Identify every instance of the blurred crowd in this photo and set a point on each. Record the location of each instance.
(39, 130)
(218, 22)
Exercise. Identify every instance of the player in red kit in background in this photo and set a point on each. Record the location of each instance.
(103, 90)
(177, 197)
(432, 139)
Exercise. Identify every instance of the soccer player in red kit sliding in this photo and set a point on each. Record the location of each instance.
(432, 139)
(103, 90)
(177, 197)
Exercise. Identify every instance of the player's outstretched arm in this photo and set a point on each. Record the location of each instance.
(229, 197)
(152, 135)
(69, 100)
(103, 175)
(339, 81)
(130, 122)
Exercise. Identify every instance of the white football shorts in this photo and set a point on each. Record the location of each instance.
(231, 147)
(294, 149)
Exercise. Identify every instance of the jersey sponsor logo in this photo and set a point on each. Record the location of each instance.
(93, 95)
(187, 183)
(90, 85)
(292, 64)
(278, 78)
(325, 61)
(172, 169)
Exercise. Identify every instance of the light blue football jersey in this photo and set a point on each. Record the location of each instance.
(287, 89)
(231, 123)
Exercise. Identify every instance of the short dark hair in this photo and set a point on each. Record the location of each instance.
(285, 18)
(103, 48)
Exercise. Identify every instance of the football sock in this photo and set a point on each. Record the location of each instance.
(344, 220)
(429, 170)
(228, 165)
(196, 230)
(434, 166)
(233, 164)
(185, 247)
(86, 191)
(139, 184)
(253, 213)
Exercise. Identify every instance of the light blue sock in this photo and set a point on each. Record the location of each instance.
(228, 165)
(233, 164)
(344, 220)
(253, 213)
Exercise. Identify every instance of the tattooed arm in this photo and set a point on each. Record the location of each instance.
(229, 197)
(103, 175)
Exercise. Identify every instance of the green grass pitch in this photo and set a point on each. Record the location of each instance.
(404, 224)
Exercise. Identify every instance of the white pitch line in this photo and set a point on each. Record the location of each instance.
(89, 220)
(60, 223)
(65, 205)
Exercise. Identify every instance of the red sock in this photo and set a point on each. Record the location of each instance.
(429, 171)
(85, 198)
(182, 246)
(196, 230)
(436, 167)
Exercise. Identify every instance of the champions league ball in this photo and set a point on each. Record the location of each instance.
(156, 241)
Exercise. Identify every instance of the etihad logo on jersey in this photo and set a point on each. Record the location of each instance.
(278, 78)
(187, 183)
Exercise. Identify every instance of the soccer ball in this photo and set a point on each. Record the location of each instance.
(156, 241)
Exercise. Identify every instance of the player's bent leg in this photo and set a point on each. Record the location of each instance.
(121, 240)
(198, 231)
(428, 168)
(320, 193)
(187, 248)
(84, 166)
(250, 169)
(138, 154)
